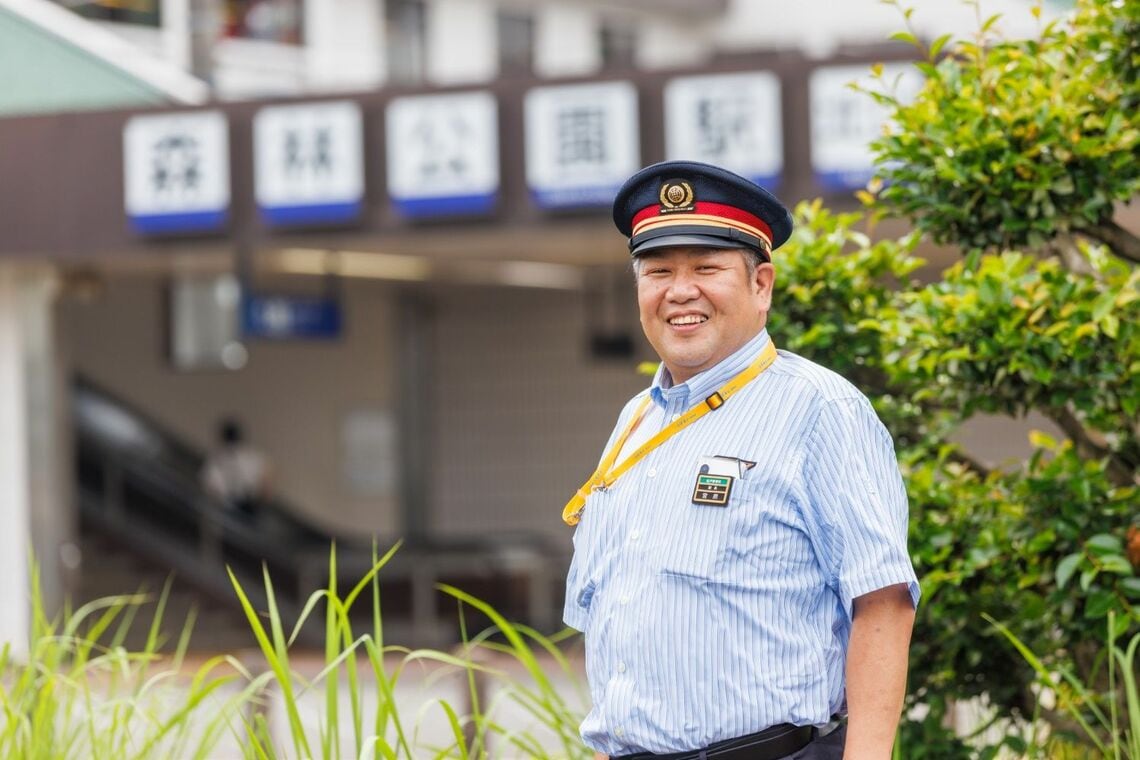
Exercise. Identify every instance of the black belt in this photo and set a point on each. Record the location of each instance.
(770, 744)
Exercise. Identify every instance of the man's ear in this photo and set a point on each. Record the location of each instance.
(764, 280)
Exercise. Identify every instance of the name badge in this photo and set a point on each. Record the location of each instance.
(715, 477)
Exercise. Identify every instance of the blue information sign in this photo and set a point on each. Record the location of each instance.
(284, 317)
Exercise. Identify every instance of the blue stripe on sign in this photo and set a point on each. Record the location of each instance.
(197, 221)
(322, 213)
(853, 179)
(456, 205)
(574, 197)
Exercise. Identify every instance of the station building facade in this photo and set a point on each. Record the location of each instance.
(409, 288)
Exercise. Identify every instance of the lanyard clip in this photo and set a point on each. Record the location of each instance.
(574, 508)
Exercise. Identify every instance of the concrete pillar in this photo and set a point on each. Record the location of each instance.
(35, 475)
(344, 44)
(15, 617)
(566, 41)
(176, 32)
(461, 42)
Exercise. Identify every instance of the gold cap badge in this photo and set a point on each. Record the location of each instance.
(676, 195)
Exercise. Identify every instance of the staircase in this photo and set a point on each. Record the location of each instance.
(110, 569)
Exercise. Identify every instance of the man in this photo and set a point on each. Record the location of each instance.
(740, 566)
(236, 474)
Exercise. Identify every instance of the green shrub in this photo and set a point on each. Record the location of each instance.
(1015, 143)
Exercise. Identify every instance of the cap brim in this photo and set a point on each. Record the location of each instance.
(685, 241)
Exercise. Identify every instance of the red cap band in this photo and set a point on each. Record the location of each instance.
(705, 213)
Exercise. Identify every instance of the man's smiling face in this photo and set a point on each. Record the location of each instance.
(699, 305)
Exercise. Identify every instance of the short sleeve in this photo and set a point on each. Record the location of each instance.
(857, 501)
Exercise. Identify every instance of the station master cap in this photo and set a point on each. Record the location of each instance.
(688, 203)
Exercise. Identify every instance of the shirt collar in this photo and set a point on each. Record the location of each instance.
(703, 384)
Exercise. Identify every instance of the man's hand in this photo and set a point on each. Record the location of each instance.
(600, 756)
(876, 671)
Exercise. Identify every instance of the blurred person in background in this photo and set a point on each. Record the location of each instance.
(235, 473)
(740, 566)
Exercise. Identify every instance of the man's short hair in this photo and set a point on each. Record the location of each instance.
(752, 260)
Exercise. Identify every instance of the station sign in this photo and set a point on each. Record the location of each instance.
(581, 143)
(845, 121)
(731, 120)
(309, 163)
(176, 172)
(443, 154)
(443, 157)
(285, 317)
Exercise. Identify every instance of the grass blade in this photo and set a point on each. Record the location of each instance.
(277, 664)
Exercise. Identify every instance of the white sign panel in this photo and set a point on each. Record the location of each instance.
(371, 452)
(443, 154)
(309, 163)
(176, 172)
(581, 143)
(730, 120)
(845, 121)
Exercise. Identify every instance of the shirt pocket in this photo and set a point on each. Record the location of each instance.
(694, 545)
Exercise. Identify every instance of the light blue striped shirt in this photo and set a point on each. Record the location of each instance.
(706, 623)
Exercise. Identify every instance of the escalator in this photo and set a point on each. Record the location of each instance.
(138, 487)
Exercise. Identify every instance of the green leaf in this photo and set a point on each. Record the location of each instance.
(938, 44)
(1016, 743)
(1130, 587)
(1066, 567)
(1042, 541)
(1120, 626)
(906, 37)
(1105, 543)
(1111, 325)
(1099, 603)
(1103, 306)
(929, 70)
(1115, 563)
(1087, 577)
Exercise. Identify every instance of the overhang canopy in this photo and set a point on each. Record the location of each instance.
(52, 60)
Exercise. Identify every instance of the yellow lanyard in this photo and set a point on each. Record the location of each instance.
(604, 477)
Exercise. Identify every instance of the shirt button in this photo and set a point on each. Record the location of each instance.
(652, 472)
(635, 535)
(621, 667)
(624, 599)
(675, 417)
(618, 732)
